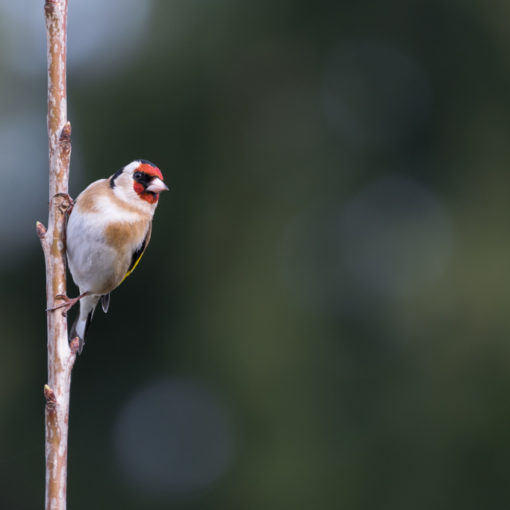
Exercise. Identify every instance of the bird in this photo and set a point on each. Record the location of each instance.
(107, 233)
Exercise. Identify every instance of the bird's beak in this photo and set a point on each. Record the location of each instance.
(157, 185)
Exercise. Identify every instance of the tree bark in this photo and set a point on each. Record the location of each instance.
(61, 355)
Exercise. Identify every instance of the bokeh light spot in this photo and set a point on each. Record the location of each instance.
(105, 34)
(174, 436)
(394, 237)
(374, 94)
(24, 195)
(389, 241)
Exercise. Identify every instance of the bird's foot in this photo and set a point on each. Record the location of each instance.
(67, 203)
(67, 304)
(76, 345)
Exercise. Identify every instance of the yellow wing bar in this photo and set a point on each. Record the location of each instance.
(138, 253)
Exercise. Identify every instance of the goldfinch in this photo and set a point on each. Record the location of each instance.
(108, 231)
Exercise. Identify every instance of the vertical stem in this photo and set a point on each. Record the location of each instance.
(60, 356)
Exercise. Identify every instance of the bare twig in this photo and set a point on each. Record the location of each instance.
(60, 356)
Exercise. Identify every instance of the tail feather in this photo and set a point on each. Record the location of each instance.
(81, 324)
(105, 302)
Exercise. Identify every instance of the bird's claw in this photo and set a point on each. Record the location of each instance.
(67, 204)
(76, 345)
(67, 304)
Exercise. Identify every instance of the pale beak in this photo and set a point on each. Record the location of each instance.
(157, 185)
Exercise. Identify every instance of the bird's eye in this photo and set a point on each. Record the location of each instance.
(137, 176)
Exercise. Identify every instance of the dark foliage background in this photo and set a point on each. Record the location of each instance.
(321, 320)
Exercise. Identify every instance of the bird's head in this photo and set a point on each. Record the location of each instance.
(139, 180)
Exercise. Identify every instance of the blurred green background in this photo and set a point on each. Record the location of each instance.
(321, 319)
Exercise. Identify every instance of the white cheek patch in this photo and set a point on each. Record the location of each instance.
(124, 190)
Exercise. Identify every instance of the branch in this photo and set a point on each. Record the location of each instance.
(61, 356)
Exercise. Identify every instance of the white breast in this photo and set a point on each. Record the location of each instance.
(92, 262)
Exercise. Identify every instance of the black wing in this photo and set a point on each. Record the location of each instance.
(138, 253)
